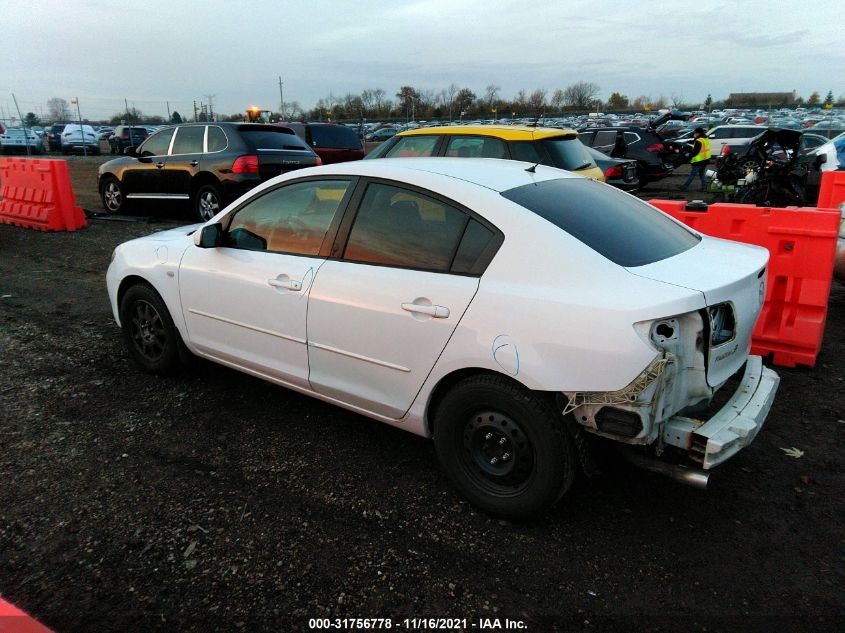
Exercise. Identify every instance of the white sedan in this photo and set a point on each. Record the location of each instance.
(504, 309)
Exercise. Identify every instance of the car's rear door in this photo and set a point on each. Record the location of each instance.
(245, 302)
(380, 315)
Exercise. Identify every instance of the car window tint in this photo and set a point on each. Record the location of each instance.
(189, 140)
(269, 138)
(586, 137)
(605, 137)
(475, 240)
(216, 139)
(631, 137)
(291, 219)
(526, 151)
(569, 153)
(335, 137)
(398, 227)
(476, 147)
(410, 146)
(157, 144)
(721, 133)
(625, 230)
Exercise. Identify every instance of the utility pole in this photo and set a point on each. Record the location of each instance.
(195, 110)
(26, 129)
(128, 118)
(168, 111)
(81, 131)
(210, 99)
(282, 98)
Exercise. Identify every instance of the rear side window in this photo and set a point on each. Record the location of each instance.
(268, 138)
(413, 146)
(623, 229)
(569, 153)
(334, 137)
(399, 227)
(605, 137)
(476, 147)
(526, 151)
(189, 140)
(216, 139)
(473, 244)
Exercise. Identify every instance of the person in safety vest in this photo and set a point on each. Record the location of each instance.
(700, 159)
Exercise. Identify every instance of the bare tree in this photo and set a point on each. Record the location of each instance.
(449, 97)
(556, 102)
(537, 100)
(379, 101)
(464, 99)
(677, 100)
(367, 100)
(58, 109)
(491, 94)
(581, 95)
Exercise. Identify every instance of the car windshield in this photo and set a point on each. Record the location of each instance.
(335, 137)
(625, 230)
(271, 138)
(568, 153)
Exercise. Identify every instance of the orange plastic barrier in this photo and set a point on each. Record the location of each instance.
(832, 190)
(802, 243)
(13, 620)
(37, 194)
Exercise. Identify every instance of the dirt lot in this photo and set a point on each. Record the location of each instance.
(212, 501)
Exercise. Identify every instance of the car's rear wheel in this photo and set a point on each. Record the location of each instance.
(504, 447)
(151, 337)
(208, 200)
(111, 194)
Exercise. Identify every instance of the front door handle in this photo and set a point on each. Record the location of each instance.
(193, 163)
(159, 165)
(438, 312)
(283, 281)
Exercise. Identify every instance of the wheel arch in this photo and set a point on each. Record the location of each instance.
(204, 178)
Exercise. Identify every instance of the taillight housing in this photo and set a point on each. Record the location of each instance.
(319, 161)
(124, 137)
(614, 171)
(726, 150)
(247, 164)
(655, 147)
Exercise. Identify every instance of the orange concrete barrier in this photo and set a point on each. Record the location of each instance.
(832, 190)
(802, 243)
(13, 620)
(37, 194)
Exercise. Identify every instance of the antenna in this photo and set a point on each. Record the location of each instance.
(533, 168)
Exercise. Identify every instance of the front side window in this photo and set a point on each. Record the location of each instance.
(189, 140)
(292, 219)
(412, 146)
(157, 144)
(476, 147)
(400, 227)
(625, 230)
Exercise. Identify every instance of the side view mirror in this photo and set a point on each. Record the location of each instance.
(131, 151)
(210, 236)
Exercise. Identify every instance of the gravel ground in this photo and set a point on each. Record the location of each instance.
(212, 501)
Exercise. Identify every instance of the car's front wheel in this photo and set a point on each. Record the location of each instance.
(208, 200)
(151, 338)
(504, 447)
(111, 194)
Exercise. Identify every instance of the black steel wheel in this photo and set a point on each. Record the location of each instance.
(208, 200)
(505, 448)
(111, 195)
(148, 330)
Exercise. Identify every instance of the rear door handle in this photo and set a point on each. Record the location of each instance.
(159, 165)
(438, 312)
(193, 163)
(286, 283)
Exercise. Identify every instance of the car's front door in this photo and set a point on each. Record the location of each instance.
(380, 315)
(184, 160)
(145, 177)
(245, 302)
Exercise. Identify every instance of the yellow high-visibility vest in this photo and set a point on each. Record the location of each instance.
(704, 154)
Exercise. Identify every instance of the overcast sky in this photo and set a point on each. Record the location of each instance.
(153, 51)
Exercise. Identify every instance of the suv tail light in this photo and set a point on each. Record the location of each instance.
(726, 150)
(245, 164)
(655, 147)
(319, 161)
(614, 171)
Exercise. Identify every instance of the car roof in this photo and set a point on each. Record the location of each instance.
(505, 132)
(491, 173)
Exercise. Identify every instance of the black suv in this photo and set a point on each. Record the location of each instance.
(126, 136)
(54, 136)
(209, 164)
(655, 158)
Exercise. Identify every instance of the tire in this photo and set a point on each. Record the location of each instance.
(503, 447)
(151, 338)
(208, 200)
(748, 164)
(112, 196)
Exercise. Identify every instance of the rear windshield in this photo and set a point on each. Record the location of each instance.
(335, 137)
(568, 153)
(623, 229)
(272, 138)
